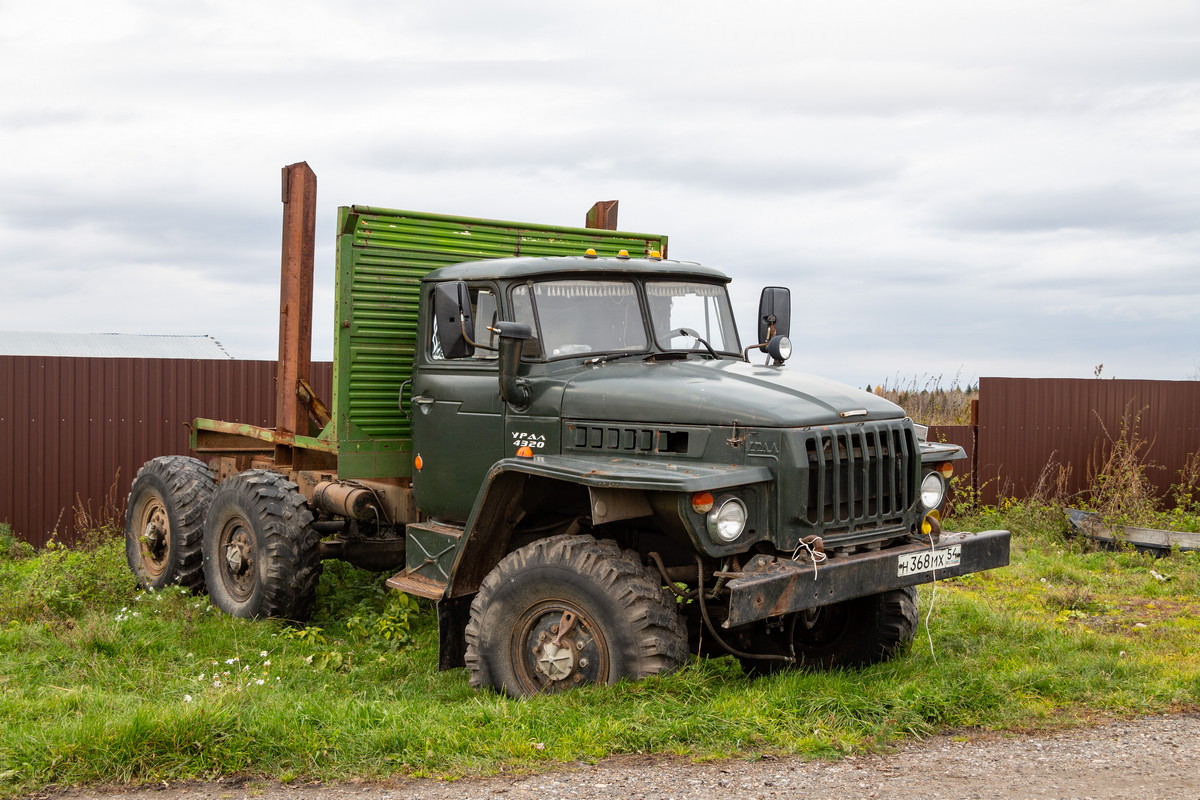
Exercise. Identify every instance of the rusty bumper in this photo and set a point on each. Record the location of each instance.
(768, 587)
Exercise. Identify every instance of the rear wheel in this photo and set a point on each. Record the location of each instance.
(570, 611)
(260, 550)
(853, 633)
(164, 522)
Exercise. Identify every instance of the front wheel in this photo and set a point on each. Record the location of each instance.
(853, 633)
(260, 550)
(570, 611)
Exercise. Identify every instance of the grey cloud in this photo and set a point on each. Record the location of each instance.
(1116, 207)
(182, 231)
(663, 157)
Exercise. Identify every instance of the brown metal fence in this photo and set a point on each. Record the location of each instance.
(1026, 424)
(1031, 429)
(74, 431)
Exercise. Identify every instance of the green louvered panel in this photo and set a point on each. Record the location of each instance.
(382, 255)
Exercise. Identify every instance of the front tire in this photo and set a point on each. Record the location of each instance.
(570, 611)
(164, 522)
(853, 633)
(260, 550)
(858, 632)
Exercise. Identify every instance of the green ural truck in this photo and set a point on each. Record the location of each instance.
(558, 436)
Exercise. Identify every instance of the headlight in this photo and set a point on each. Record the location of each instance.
(727, 520)
(933, 489)
(780, 348)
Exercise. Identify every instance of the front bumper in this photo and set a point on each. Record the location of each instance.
(769, 587)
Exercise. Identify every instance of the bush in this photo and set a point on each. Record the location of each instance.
(58, 583)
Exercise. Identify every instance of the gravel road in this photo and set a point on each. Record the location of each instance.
(1153, 757)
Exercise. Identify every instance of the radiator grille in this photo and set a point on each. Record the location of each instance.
(861, 475)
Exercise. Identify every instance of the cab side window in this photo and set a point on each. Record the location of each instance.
(483, 316)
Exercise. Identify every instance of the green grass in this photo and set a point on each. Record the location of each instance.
(101, 684)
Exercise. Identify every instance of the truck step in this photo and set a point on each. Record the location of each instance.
(419, 585)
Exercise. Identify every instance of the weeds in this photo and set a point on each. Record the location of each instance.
(928, 402)
(107, 516)
(1120, 488)
(59, 583)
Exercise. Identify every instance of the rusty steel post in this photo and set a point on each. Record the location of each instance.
(295, 296)
(602, 215)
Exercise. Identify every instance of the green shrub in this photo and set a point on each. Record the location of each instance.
(58, 583)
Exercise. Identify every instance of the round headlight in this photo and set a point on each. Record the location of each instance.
(933, 489)
(727, 520)
(780, 348)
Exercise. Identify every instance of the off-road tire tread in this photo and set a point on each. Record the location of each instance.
(189, 487)
(273, 506)
(659, 632)
(889, 622)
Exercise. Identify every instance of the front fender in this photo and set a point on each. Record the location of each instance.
(618, 483)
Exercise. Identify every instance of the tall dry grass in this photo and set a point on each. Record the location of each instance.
(928, 401)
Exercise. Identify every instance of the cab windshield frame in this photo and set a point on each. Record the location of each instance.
(573, 317)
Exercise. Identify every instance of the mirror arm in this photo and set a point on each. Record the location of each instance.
(762, 347)
(462, 323)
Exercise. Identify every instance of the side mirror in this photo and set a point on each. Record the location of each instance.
(774, 311)
(451, 316)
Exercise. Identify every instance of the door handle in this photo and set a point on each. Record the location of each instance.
(423, 403)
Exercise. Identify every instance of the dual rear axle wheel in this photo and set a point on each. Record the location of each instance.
(248, 541)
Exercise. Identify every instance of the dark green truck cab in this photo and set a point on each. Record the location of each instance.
(578, 459)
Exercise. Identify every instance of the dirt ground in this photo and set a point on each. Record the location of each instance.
(1153, 757)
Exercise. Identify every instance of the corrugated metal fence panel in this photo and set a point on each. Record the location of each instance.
(961, 435)
(74, 431)
(1026, 423)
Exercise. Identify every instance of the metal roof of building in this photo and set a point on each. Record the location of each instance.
(109, 345)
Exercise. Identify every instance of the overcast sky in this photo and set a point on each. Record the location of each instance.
(950, 189)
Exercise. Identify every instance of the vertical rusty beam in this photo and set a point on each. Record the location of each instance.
(602, 215)
(295, 296)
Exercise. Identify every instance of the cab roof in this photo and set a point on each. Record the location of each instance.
(526, 267)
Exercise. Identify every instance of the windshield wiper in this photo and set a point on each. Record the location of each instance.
(700, 339)
(614, 357)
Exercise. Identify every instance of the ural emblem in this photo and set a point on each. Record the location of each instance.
(532, 440)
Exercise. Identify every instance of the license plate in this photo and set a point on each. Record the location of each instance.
(929, 560)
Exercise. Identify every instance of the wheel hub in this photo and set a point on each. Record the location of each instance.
(237, 557)
(154, 537)
(562, 649)
(155, 541)
(554, 661)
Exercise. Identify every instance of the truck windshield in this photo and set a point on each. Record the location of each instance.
(570, 317)
(701, 307)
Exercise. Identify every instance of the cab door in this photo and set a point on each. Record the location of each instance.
(457, 415)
